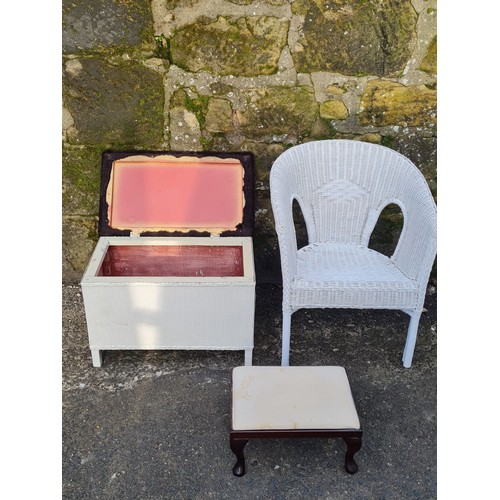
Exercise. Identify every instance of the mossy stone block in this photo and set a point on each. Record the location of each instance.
(322, 129)
(389, 103)
(354, 38)
(102, 24)
(219, 117)
(79, 236)
(248, 46)
(287, 112)
(118, 105)
(429, 62)
(185, 132)
(333, 110)
(81, 174)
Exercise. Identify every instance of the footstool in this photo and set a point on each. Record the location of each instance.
(292, 402)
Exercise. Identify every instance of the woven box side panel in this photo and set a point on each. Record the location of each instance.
(151, 316)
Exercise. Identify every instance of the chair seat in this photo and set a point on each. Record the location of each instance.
(344, 275)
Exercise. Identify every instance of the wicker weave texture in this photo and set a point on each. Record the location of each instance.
(142, 316)
(168, 312)
(342, 187)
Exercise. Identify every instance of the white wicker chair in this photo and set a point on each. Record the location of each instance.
(342, 187)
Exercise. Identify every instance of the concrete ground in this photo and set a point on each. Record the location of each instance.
(154, 424)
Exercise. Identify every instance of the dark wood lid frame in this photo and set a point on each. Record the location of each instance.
(246, 159)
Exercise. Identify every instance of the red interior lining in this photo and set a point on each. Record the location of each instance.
(172, 260)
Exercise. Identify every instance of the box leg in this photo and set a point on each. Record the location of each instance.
(96, 357)
(248, 357)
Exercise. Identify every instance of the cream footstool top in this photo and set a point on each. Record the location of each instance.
(292, 397)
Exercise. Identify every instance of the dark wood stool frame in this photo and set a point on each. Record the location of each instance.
(239, 438)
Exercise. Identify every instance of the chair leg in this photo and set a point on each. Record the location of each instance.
(285, 346)
(411, 339)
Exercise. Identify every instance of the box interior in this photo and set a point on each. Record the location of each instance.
(172, 260)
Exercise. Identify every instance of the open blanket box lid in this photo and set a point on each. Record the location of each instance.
(152, 193)
(160, 193)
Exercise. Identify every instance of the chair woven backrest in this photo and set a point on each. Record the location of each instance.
(342, 186)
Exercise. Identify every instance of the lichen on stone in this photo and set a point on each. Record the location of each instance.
(335, 90)
(389, 103)
(322, 129)
(120, 104)
(81, 173)
(94, 25)
(371, 138)
(284, 111)
(429, 62)
(80, 235)
(333, 110)
(185, 132)
(248, 46)
(219, 116)
(355, 38)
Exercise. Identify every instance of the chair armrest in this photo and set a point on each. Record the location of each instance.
(417, 245)
(281, 201)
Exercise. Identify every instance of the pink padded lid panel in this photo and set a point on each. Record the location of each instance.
(176, 194)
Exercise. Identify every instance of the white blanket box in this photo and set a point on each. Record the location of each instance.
(173, 267)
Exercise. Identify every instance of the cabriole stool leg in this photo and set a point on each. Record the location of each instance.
(353, 445)
(237, 445)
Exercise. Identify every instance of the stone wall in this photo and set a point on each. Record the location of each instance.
(233, 75)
